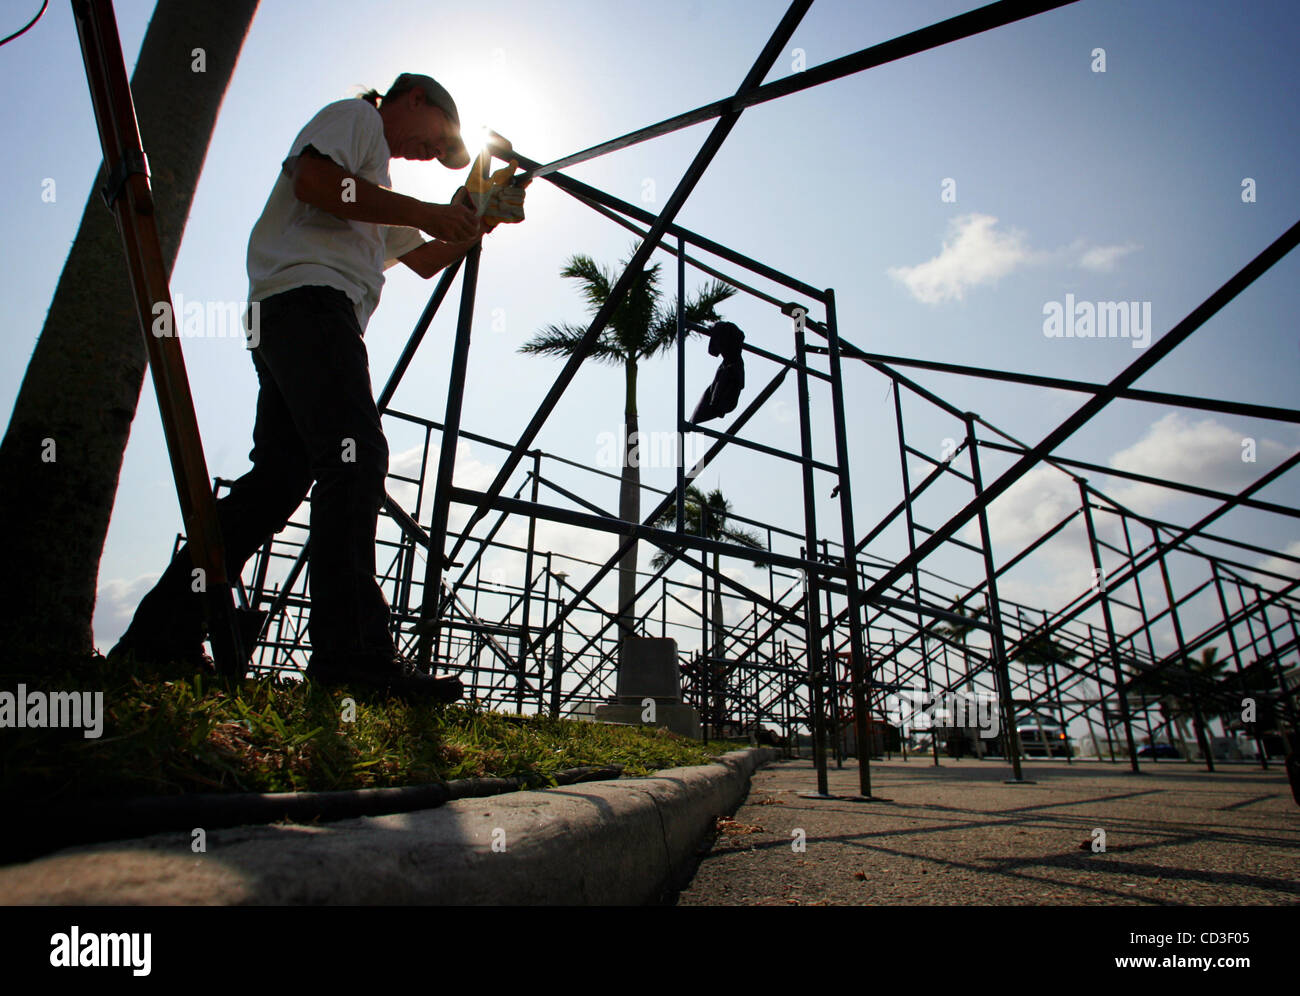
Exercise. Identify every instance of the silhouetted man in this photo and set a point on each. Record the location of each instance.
(316, 261)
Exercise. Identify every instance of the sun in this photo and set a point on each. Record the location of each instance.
(485, 108)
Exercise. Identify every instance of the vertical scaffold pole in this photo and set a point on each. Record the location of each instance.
(812, 609)
(859, 665)
(911, 549)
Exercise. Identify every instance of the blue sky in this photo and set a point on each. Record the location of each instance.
(1123, 185)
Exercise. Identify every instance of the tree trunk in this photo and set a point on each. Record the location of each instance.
(79, 394)
(629, 507)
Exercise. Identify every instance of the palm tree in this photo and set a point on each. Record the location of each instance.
(83, 381)
(707, 515)
(1172, 686)
(1043, 651)
(641, 327)
(957, 632)
(1203, 669)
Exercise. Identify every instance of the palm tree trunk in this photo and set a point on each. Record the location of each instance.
(629, 507)
(83, 381)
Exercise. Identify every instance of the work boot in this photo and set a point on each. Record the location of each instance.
(156, 651)
(388, 672)
(160, 656)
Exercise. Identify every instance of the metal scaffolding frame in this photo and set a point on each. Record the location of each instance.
(839, 628)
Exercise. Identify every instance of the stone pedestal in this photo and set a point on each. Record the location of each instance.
(649, 670)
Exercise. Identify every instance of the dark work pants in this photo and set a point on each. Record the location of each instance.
(316, 421)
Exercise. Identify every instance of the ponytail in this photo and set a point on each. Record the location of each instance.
(374, 97)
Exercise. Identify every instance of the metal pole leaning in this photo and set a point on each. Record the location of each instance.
(437, 561)
(636, 264)
(127, 193)
(997, 645)
(600, 199)
(417, 334)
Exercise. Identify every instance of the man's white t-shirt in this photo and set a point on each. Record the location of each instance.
(295, 244)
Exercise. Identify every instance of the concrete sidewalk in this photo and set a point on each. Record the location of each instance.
(956, 834)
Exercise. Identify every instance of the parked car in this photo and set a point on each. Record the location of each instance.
(1159, 751)
(1043, 738)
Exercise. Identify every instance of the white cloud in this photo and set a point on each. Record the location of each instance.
(406, 463)
(1036, 502)
(783, 412)
(471, 473)
(974, 253)
(1103, 258)
(115, 604)
(1205, 453)
(567, 541)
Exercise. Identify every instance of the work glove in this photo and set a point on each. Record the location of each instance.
(493, 198)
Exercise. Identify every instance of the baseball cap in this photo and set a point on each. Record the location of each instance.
(457, 156)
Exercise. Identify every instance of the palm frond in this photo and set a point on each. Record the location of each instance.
(716, 528)
(634, 317)
(660, 558)
(744, 537)
(596, 281)
(701, 309)
(554, 340)
(703, 306)
(563, 340)
(638, 326)
(663, 334)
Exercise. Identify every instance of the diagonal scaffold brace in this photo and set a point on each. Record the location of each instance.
(128, 195)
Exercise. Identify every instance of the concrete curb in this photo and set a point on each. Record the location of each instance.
(624, 842)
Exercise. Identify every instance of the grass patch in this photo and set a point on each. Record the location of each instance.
(175, 732)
